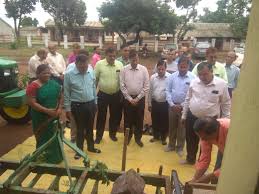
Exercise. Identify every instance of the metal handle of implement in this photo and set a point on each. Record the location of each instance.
(176, 184)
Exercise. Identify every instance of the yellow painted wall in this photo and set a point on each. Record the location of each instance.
(240, 168)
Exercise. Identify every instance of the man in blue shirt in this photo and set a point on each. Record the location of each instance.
(176, 90)
(71, 66)
(80, 100)
(232, 71)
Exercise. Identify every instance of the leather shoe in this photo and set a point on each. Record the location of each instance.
(97, 141)
(94, 150)
(113, 138)
(153, 140)
(140, 144)
(77, 156)
(186, 162)
(169, 149)
(164, 142)
(180, 153)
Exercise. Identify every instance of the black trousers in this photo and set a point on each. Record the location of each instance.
(230, 90)
(217, 165)
(120, 110)
(113, 101)
(84, 114)
(192, 140)
(57, 79)
(218, 160)
(160, 119)
(134, 117)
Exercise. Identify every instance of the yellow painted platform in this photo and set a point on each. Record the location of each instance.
(147, 159)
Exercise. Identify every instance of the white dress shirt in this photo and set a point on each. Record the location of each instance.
(33, 63)
(157, 88)
(207, 100)
(57, 64)
(134, 82)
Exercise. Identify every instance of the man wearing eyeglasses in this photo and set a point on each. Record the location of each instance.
(218, 68)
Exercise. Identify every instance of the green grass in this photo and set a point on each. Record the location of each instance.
(24, 54)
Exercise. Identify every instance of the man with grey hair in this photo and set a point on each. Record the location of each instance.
(57, 64)
(232, 71)
(38, 59)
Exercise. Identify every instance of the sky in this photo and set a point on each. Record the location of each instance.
(92, 14)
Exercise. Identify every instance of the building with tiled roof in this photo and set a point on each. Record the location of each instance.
(91, 30)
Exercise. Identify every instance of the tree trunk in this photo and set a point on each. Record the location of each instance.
(15, 29)
(131, 42)
(124, 41)
(18, 27)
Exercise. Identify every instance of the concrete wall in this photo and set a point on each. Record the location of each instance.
(240, 167)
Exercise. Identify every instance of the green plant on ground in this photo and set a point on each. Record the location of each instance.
(23, 80)
(14, 45)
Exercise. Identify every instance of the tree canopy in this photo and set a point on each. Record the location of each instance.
(28, 21)
(66, 13)
(235, 12)
(123, 17)
(17, 9)
(190, 15)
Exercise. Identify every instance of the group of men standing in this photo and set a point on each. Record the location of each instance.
(176, 99)
(198, 106)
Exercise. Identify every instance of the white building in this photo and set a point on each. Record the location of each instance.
(6, 32)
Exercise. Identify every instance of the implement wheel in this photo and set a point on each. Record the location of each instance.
(20, 115)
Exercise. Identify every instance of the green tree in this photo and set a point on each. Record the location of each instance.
(17, 9)
(235, 12)
(66, 13)
(189, 7)
(28, 21)
(134, 16)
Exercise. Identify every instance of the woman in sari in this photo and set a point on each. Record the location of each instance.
(43, 96)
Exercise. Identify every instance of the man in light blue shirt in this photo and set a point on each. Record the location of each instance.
(71, 66)
(232, 72)
(80, 100)
(176, 90)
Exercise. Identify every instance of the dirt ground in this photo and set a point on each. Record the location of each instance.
(11, 135)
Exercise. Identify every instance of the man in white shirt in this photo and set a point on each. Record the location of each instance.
(36, 60)
(157, 104)
(134, 84)
(57, 64)
(170, 61)
(207, 97)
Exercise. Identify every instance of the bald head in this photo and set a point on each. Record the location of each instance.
(231, 57)
(52, 48)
